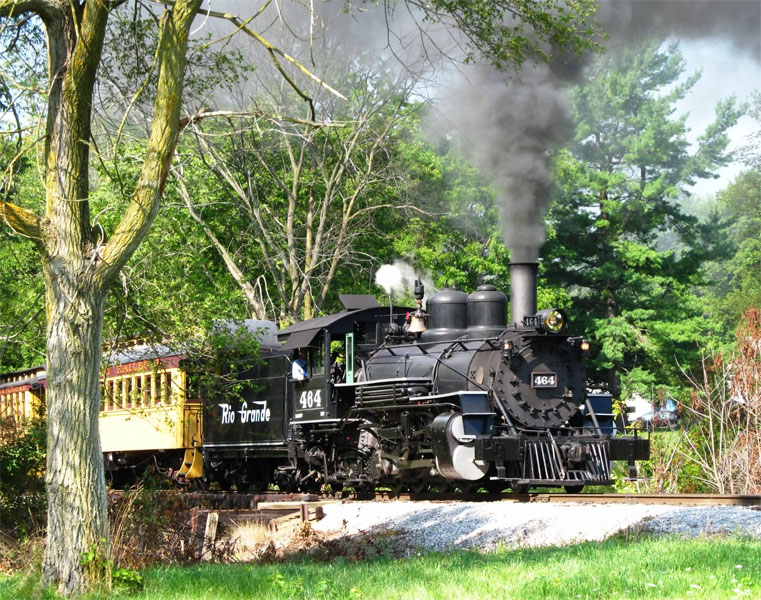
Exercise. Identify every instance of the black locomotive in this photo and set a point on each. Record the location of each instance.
(453, 397)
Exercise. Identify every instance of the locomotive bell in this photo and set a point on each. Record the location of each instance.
(417, 322)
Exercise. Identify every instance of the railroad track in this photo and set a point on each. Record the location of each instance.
(233, 500)
(670, 499)
(224, 500)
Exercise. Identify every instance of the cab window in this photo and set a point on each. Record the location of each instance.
(316, 360)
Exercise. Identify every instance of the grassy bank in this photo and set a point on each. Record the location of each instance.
(647, 568)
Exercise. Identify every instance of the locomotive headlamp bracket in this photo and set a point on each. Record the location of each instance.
(551, 320)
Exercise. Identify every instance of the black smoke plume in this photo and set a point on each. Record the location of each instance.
(509, 124)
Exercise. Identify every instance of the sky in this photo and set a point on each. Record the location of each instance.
(725, 72)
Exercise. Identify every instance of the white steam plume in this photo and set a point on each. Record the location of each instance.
(399, 278)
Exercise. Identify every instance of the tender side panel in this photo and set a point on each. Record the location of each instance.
(253, 412)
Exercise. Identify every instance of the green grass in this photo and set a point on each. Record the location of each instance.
(616, 569)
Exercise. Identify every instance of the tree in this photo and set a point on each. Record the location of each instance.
(456, 233)
(736, 285)
(80, 262)
(79, 265)
(620, 180)
(300, 195)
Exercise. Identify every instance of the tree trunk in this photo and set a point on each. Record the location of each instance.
(614, 373)
(77, 510)
(76, 492)
(79, 266)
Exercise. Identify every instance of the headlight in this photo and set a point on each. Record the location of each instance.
(553, 320)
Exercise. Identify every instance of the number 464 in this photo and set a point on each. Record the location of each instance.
(311, 399)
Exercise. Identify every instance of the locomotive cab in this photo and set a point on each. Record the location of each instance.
(324, 428)
(354, 334)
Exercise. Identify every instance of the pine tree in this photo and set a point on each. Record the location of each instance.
(629, 162)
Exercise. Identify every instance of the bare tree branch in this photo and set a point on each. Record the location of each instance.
(274, 52)
(228, 114)
(249, 290)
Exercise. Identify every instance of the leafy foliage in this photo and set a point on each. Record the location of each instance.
(22, 484)
(171, 288)
(456, 236)
(507, 31)
(22, 320)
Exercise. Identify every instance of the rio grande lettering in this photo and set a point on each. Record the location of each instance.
(246, 415)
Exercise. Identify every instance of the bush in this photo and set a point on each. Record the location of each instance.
(22, 479)
(724, 440)
(668, 471)
(150, 526)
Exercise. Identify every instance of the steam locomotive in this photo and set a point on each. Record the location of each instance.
(451, 397)
(454, 397)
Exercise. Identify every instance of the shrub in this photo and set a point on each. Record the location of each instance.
(724, 440)
(150, 526)
(22, 479)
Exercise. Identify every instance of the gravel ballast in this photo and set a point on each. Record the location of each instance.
(415, 526)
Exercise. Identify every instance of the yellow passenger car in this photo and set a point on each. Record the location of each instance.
(22, 397)
(146, 417)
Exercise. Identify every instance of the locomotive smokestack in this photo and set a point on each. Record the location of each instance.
(522, 290)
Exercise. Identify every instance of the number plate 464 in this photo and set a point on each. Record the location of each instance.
(545, 379)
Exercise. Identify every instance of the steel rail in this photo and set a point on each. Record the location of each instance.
(562, 498)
